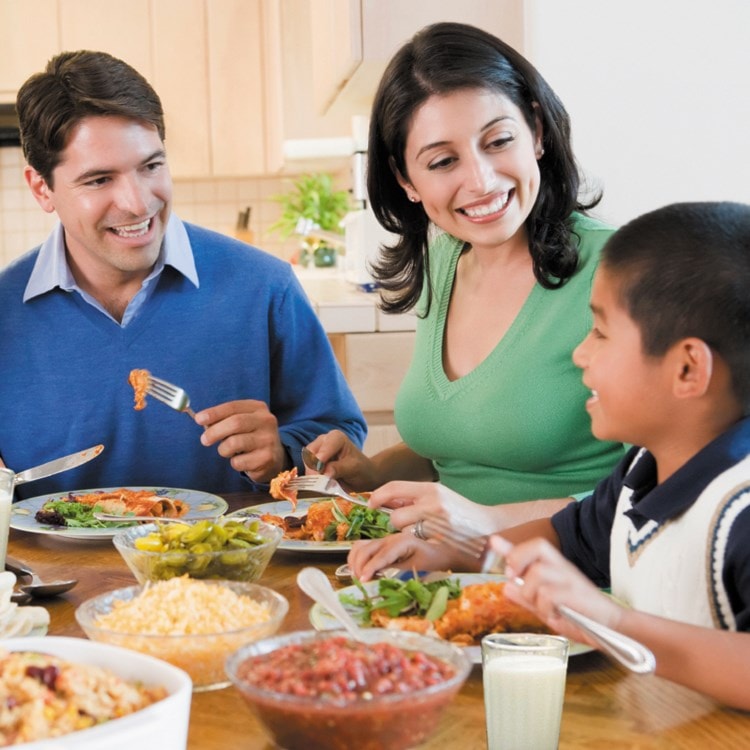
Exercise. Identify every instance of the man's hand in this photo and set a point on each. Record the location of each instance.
(247, 434)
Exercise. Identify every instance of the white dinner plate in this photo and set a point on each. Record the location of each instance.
(22, 513)
(283, 508)
(320, 618)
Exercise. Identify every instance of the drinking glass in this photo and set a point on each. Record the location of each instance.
(524, 685)
(7, 478)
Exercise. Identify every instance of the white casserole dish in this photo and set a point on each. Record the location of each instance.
(162, 725)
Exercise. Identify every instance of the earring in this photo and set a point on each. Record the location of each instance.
(540, 153)
(413, 198)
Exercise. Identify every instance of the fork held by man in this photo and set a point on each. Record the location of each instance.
(169, 394)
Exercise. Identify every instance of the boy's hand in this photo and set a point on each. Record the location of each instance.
(550, 580)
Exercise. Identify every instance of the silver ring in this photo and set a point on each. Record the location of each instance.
(418, 530)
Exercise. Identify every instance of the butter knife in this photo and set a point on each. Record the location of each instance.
(58, 465)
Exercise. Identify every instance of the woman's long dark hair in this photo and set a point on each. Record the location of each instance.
(440, 59)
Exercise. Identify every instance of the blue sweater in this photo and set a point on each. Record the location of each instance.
(248, 332)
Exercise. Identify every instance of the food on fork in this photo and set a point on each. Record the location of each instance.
(139, 380)
(122, 502)
(280, 489)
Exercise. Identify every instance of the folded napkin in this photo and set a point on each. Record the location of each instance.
(18, 621)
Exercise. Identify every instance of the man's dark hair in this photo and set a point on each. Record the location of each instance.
(75, 85)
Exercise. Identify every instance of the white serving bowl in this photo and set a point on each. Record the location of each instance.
(163, 724)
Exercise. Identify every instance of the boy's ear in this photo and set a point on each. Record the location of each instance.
(695, 366)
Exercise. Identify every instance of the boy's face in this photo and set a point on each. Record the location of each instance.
(629, 389)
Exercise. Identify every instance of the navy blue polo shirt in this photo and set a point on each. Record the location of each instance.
(584, 527)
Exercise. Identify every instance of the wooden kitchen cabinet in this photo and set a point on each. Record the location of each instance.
(374, 365)
(355, 39)
(217, 71)
(29, 36)
(216, 65)
(181, 80)
(122, 29)
(244, 77)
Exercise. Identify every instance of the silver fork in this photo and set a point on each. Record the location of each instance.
(630, 653)
(169, 394)
(326, 486)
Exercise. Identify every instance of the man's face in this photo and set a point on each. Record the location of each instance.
(112, 192)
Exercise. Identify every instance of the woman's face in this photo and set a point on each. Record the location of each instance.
(471, 160)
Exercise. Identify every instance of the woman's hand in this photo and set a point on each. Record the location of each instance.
(550, 580)
(344, 461)
(402, 550)
(415, 501)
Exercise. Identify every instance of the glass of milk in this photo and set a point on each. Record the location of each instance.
(524, 685)
(7, 478)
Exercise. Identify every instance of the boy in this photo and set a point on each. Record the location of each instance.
(668, 363)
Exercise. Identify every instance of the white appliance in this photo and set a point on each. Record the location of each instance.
(363, 235)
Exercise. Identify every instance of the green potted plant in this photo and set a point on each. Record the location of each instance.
(313, 197)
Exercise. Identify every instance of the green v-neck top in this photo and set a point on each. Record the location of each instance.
(515, 428)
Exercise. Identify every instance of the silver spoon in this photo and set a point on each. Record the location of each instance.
(38, 587)
(315, 583)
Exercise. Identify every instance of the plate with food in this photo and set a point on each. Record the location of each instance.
(460, 608)
(321, 524)
(70, 515)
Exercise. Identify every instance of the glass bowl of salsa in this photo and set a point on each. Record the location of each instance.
(327, 691)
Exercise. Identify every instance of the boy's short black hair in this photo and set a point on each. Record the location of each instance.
(684, 270)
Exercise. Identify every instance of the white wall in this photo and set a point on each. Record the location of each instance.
(658, 92)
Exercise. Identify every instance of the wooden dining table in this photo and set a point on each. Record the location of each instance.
(605, 706)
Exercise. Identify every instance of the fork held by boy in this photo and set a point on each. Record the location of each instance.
(630, 653)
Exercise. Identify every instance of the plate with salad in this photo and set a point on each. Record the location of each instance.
(460, 608)
(62, 515)
(321, 524)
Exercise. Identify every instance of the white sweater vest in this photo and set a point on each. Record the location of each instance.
(674, 569)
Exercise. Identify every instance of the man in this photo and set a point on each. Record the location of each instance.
(123, 284)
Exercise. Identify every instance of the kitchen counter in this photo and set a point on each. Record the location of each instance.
(344, 308)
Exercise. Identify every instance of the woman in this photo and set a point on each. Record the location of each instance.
(471, 166)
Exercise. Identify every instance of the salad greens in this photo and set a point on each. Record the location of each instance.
(412, 597)
(364, 523)
(74, 515)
